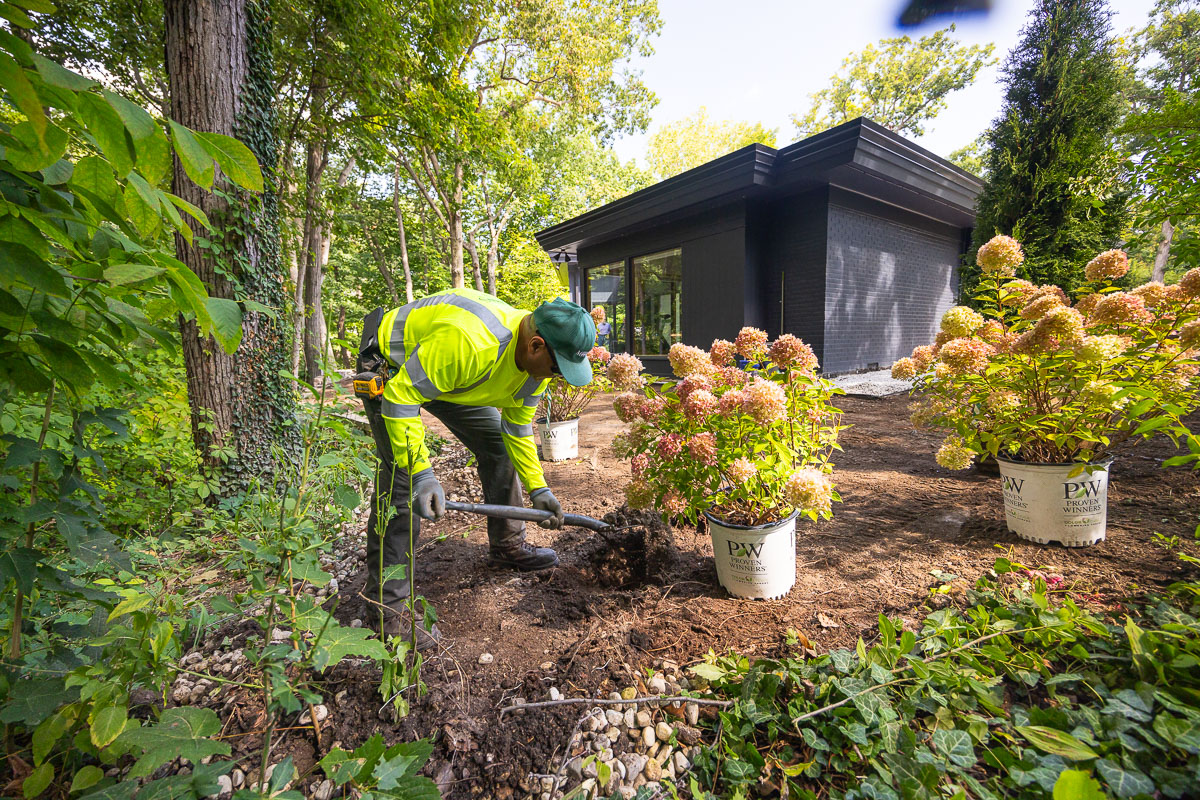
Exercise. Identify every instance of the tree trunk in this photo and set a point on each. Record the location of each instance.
(381, 262)
(493, 262)
(473, 249)
(1163, 253)
(218, 56)
(408, 286)
(456, 230)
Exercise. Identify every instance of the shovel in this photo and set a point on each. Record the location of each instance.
(527, 514)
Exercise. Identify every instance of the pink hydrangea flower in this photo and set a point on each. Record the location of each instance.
(1000, 256)
(1153, 294)
(699, 405)
(751, 343)
(1121, 308)
(1040, 305)
(1189, 334)
(732, 376)
(1087, 304)
(691, 384)
(670, 446)
(628, 406)
(639, 464)
(1064, 324)
(598, 314)
(703, 448)
(1189, 284)
(721, 353)
(923, 357)
(905, 369)
(787, 352)
(966, 356)
(765, 401)
(1101, 348)
(1020, 291)
(809, 490)
(624, 371)
(652, 408)
(1110, 264)
(599, 354)
(741, 471)
(673, 503)
(992, 331)
(687, 360)
(639, 494)
(732, 403)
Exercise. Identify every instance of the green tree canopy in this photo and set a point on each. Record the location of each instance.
(899, 83)
(1054, 175)
(698, 139)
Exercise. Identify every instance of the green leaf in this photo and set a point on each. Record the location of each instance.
(20, 565)
(180, 732)
(30, 152)
(18, 261)
(23, 232)
(105, 126)
(236, 160)
(142, 205)
(86, 778)
(184, 205)
(339, 642)
(129, 605)
(1124, 782)
(96, 176)
(708, 671)
(108, 724)
(59, 76)
(281, 776)
(1056, 742)
(347, 497)
(46, 735)
(37, 781)
(412, 787)
(149, 141)
(226, 322)
(32, 700)
(65, 361)
(196, 161)
(1075, 784)
(122, 274)
(15, 82)
(956, 746)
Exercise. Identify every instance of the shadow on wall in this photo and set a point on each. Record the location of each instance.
(887, 286)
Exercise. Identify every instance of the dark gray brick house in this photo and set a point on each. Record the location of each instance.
(850, 239)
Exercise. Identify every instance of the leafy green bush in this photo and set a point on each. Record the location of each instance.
(1022, 694)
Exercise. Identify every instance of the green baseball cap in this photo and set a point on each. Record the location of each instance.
(569, 330)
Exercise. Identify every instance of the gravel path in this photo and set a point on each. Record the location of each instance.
(879, 383)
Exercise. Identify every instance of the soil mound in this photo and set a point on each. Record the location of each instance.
(639, 549)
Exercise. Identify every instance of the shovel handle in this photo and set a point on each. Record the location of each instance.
(526, 514)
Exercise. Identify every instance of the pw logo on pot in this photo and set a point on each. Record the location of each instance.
(745, 549)
(1081, 489)
(1012, 484)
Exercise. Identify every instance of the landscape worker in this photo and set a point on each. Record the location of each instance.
(480, 366)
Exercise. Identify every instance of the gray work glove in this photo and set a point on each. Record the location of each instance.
(428, 498)
(544, 500)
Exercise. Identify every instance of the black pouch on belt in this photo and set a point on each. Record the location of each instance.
(372, 367)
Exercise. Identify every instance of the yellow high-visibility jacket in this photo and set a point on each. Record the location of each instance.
(458, 346)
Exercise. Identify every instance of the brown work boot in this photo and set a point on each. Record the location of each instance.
(400, 624)
(522, 556)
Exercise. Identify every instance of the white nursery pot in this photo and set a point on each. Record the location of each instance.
(755, 562)
(1044, 503)
(559, 440)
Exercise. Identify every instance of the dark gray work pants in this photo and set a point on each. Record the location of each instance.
(478, 428)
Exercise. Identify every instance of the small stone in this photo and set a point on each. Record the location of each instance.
(486, 658)
(653, 751)
(681, 763)
(628, 693)
(652, 771)
(555, 694)
(648, 735)
(575, 769)
(663, 731)
(691, 712)
(595, 723)
(332, 586)
(669, 772)
(279, 634)
(547, 784)
(634, 763)
(322, 715)
(238, 777)
(613, 733)
(643, 719)
(226, 784)
(619, 767)
(629, 719)
(687, 734)
(606, 754)
(586, 787)
(669, 666)
(548, 666)
(658, 684)
(340, 697)
(614, 717)
(590, 770)
(324, 790)
(627, 792)
(616, 696)
(639, 781)
(356, 623)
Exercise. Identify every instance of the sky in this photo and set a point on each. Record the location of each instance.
(759, 60)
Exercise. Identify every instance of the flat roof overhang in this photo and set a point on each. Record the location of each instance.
(859, 156)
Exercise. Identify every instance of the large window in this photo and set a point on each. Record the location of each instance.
(657, 291)
(606, 288)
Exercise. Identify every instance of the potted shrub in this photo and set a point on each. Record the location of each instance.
(558, 412)
(746, 447)
(1050, 388)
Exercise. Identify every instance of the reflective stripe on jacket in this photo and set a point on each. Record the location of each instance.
(458, 346)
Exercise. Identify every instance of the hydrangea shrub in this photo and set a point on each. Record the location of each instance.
(1037, 379)
(746, 432)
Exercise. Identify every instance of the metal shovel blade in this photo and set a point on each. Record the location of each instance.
(526, 514)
